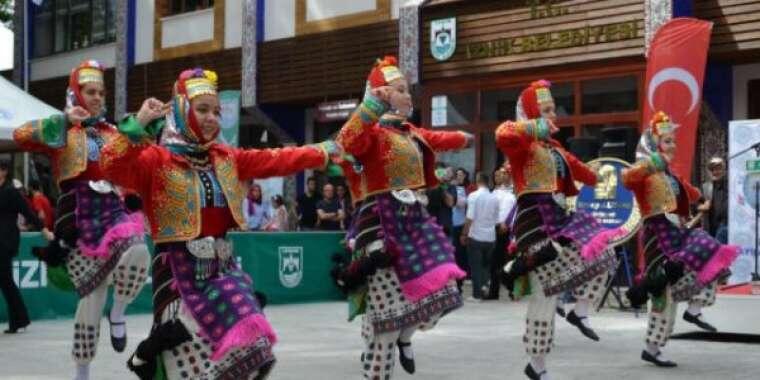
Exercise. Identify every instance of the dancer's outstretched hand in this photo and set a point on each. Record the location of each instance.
(76, 115)
(152, 109)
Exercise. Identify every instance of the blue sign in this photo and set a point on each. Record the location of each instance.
(609, 201)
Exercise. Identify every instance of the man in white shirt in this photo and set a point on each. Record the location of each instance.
(505, 195)
(479, 232)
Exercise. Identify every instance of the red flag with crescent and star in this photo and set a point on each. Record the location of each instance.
(675, 70)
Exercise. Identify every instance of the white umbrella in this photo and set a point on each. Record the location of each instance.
(18, 107)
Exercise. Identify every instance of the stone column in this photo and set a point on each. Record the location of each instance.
(121, 67)
(656, 13)
(409, 40)
(249, 64)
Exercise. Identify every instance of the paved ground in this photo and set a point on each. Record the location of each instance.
(479, 342)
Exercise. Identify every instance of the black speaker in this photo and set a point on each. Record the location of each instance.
(585, 148)
(619, 142)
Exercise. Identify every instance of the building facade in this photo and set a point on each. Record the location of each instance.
(302, 63)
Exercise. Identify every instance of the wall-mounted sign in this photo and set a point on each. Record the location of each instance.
(443, 38)
(336, 111)
(532, 34)
(560, 39)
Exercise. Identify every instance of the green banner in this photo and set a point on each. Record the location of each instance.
(290, 267)
(229, 102)
(287, 267)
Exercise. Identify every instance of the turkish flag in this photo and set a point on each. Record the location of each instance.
(675, 70)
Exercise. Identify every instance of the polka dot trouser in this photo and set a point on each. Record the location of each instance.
(539, 322)
(128, 279)
(662, 322)
(385, 300)
(192, 360)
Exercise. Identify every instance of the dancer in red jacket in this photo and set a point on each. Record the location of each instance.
(557, 251)
(682, 265)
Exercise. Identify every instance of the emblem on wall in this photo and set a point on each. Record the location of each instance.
(443, 38)
(291, 266)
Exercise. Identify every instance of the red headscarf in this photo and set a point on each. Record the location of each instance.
(89, 71)
(529, 104)
(384, 72)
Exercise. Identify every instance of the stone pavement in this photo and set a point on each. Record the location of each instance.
(482, 341)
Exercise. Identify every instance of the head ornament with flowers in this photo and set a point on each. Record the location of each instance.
(658, 137)
(183, 132)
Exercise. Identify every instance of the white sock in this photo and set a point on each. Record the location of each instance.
(83, 372)
(117, 315)
(652, 348)
(408, 352)
(694, 309)
(538, 363)
(581, 310)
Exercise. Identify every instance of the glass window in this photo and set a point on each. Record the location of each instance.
(564, 99)
(184, 6)
(452, 109)
(499, 105)
(610, 95)
(464, 158)
(63, 25)
(43, 30)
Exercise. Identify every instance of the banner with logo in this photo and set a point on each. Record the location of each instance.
(229, 102)
(675, 70)
(287, 267)
(291, 266)
(743, 174)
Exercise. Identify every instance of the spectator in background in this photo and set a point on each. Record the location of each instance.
(329, 213)
(11, 205)
(479, 232)
(307, 205)
(460, 183)
(505, 196)
(715, 207)
(441, 199)
(344, 198)
(41, 205)
(279, 221)
(257, 213)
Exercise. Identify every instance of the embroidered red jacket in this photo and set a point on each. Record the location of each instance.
(391, 158)
(533, 167)
(654, 193)
(67, 149)
(171, 189)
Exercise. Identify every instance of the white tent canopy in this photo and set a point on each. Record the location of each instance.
(18, 107)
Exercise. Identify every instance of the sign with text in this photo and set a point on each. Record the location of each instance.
(742, 178)
(609, 201)
(532, 33)
(340, 110)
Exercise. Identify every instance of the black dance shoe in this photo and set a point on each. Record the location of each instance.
(700, 323)
(576, 321)
(118, 344)
(655, 359)
(532, 374)
(406, 362)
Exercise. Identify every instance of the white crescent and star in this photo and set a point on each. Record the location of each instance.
(674, 74)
